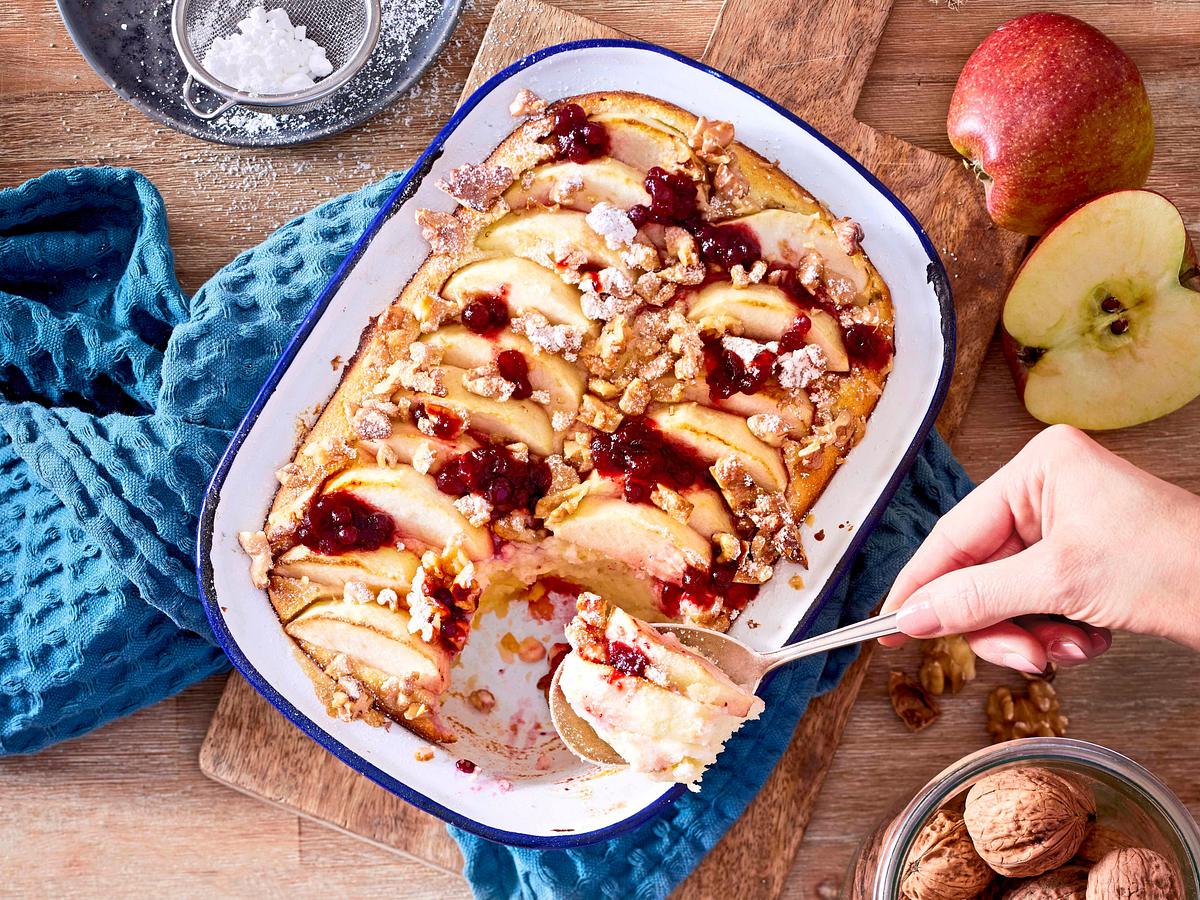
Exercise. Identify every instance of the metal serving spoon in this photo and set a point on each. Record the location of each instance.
(746, 667)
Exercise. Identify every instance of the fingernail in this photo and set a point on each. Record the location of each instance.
(1101, 641)
(1020, 663)
(918, 620)
(1067, 652)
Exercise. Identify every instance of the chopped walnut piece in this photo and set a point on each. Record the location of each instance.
(603, 388)
(602, 307)
(351, 700)
(418, 373)
(256, 546)
(681, 245)
(475, 509)
(553, 508)
(526, 103)
(562, 475)
(742, 278)
(636, 397)
(483, 700)
(487, 381)
(561, 420)
(389, 598)
(563, 190)
(531, 650)
(800, 368)
(579, 455)
(681, 273)
(386, 457)
(768, 428)
(449, 569)
(613, 224)
(615, 282)
(443, 231)
(423, 457)
(849, 233)
(916, 709)
(515, 526)
(371, 424)
(810, 273)
(946, 663)
(598, 414)
(640, 256)
(357, 592)
(290, 475)
(729, 181)
(1035, 713)
(476, 185)
(729, 546)
(709, 138)
(673, 503)
(424, 753)
(562, 339)
(654, 290)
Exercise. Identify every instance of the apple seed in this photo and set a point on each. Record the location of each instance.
(1110, 304)
(1119, 326)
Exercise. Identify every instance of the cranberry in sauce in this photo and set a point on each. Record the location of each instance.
(486, 314)
(793, 338)
(575, 138)
(493, 472)
(640, 453)
(703, 589)
(443, 422)
(626, 659)
(868, 346)
(672, 199)
(340, 522)
(729, 374)
(514, 368)
(465, 766)
(728, 245)
(557, 654)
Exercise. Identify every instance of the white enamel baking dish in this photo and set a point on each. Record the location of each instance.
(527, 790)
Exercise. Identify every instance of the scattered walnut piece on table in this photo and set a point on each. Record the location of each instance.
(911, 702)
(1028, 820)
(1036, 712)
(946, 662)
(943, 864)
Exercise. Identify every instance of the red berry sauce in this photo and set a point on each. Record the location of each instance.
(640, 454)
(465, 766)
(793, 338)
(340, 522)
(486, 314)
(575, 138)
(557, 654)
(728, 245)
(672, 200)
(626, 660)
(868, 346)
(704, 589)
(728, 374)
(493, 472)
(514, 368)
(444, 423)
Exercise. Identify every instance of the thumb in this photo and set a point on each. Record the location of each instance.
(977, 597)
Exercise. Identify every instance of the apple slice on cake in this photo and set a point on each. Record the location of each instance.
(1099, 329)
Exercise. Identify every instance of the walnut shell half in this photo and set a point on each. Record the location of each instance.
(1067, 883)
(1027, 821)
(943, 864)
(1134, 872)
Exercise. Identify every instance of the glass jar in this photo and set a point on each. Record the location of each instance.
(1128, 798)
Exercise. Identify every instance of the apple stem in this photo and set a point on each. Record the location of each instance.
(976, 169)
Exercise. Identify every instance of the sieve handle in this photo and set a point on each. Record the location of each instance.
(196, 110)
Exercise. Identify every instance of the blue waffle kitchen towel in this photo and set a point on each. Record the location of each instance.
(117, 396)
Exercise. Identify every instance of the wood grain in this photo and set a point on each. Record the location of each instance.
(126, 811)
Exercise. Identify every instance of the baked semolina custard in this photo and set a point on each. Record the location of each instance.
(634, 357)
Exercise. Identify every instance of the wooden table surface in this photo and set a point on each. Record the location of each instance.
(126, 811)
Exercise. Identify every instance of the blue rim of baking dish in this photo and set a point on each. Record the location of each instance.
(935, 274)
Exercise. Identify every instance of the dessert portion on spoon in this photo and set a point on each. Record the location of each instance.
(665, 709)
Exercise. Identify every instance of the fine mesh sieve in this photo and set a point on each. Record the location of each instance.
(347, 29)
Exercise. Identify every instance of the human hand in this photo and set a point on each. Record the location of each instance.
(1064, 544)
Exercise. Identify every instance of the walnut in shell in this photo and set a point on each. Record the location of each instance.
(943, 864)
(1067, 883)
(1134, 873)
(946, 663)
(1029, 820)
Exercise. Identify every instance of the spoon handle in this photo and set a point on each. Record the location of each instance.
(868, 629)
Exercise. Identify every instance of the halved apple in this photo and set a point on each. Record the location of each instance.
(786, 236)
(712, 434)
(643, 144)
(826, 333)
(510, 420)
(528, 234)
(406, 439)
(463, 348)
(637, 534)
(601, 179)
(525, 287)
(709, 513)
(1101, 332)
(374, 636)
(385, 567)
(420, 511)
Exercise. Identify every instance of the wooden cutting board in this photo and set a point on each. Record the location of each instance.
(813, 59)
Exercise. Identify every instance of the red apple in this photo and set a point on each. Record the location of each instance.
(1102, 323)
(1049, 112)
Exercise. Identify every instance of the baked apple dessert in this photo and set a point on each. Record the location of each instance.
(634, 357)
(665, 709)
